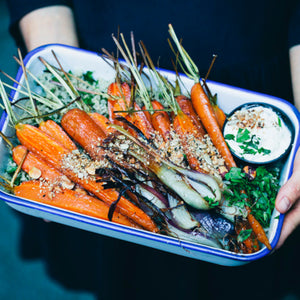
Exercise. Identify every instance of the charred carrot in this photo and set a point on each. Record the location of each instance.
(122, 106)
(54, 153)
(81, 128)
(70, 200)
(161, 120)
(187, 107)
(102, 122)
(141, 121)
(40, 143)
(121, 94)
(184, 127)
(250, 244)
(53, 129)
(35, 164)
(258, 229)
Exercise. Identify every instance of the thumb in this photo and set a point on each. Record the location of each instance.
(290, 191)
(291, 221)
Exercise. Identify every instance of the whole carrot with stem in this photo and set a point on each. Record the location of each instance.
(202, 104)
(182, 123)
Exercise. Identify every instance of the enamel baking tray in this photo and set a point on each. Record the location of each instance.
(229, 97)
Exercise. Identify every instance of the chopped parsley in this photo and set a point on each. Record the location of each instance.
(211, 202)
(88, 76)
(243, 235)
(248, 143)
(260, 193)
(279, 122)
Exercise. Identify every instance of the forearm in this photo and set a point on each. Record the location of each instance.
(53, 24)
(295, 72)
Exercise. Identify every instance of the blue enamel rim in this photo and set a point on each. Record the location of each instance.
(136, 232)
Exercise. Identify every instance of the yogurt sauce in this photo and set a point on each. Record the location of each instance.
(257, 134)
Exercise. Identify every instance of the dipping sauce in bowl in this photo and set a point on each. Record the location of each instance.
(258, 133)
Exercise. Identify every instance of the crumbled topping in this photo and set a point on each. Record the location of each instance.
(250, 118)
(82, 165)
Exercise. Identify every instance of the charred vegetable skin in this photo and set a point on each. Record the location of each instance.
(53, 153)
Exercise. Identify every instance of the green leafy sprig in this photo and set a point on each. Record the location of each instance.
(260, 193)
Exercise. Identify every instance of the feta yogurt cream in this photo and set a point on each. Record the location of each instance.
(257, 133)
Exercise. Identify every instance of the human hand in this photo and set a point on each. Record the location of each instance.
(288, 202)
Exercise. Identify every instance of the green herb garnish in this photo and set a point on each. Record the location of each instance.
(243, 235)
(249, 144)
(211, 202)
(88, 76)
(229, 137)
(260, 193)
(243, 135)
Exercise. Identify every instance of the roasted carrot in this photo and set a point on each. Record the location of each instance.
(204, 109)
(220, 115)
(183, 127)
(70, 200)
(140, 120)
(161, 120)
(147, 113)
(102, 122)
(40, 143)
(81, 128)
(258, 229)
(202, 105)
(122, 106)
(187, 107)
(53, 129)
(121, 94)
(54, 153)
(249, 245)
(33, 162)
(124, 93)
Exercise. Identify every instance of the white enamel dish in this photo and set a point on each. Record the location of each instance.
(229, 98)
